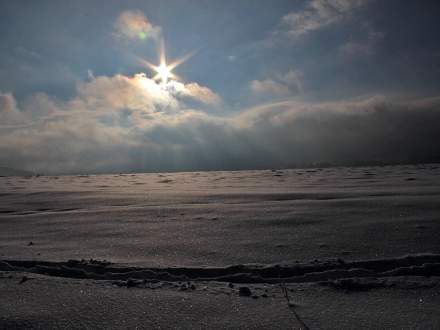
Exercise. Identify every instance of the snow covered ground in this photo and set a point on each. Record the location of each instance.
(339, 236)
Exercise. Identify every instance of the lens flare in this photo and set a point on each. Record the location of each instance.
(142, 35)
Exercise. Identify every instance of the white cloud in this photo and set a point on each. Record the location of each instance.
(200, 93)
(100, 127)
(318, 14)
(123, 92)
(133, 24)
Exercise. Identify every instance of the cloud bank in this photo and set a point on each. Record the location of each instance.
(132, 123)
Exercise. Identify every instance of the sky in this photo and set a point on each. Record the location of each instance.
(259, 84)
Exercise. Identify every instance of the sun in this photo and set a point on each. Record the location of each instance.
(163, 71)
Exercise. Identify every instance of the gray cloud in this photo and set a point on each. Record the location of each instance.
(318, 14)
(367, 45)
(280, 85)
(268, 87)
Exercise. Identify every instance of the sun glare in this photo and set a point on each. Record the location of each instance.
(163, 70)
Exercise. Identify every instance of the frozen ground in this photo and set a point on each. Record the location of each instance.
(319, 225)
